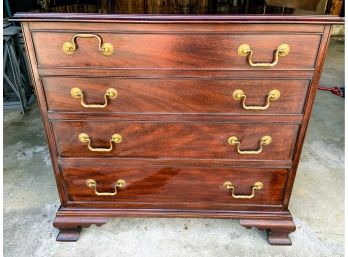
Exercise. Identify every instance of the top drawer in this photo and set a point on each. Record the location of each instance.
(200, 50)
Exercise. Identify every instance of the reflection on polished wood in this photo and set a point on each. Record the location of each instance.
(175, 77)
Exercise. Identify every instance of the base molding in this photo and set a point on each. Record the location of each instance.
(278, 224)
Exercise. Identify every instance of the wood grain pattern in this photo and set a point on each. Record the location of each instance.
(42, 104)
(174, 140)
(309, 106)
(174, 95)
(175, 50)
(165, 186)
(162, 147)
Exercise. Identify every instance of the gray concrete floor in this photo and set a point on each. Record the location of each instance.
(31, 199)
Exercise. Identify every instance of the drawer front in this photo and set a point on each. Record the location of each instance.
(185, 51)
(174, 140)
(176, 95)
(173, 186)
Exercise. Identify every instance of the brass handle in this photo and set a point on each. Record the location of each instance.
(273, 95)
(69, 47)
(245, 50)
(111, 93)
(91, 183)
(265, 140)
(116, 138)
(229, 186)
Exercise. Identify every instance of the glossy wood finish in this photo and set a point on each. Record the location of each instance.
(178, 58)
(175, 50)
(310, 102)
(168, 186)
(175, 95)
(174, 139)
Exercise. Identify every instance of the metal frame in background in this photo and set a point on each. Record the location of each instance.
(16, 82)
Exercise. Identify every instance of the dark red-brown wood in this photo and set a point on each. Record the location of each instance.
(174, 139)
(184, 187)
(70, 227)
(277, 230)
(175, 95)
(179, 51)
(210, 51)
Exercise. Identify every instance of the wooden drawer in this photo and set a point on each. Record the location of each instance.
(174, 139)
(180, 50)
(175, 95)
(172, 186)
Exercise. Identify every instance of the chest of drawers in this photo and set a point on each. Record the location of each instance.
(175, 116)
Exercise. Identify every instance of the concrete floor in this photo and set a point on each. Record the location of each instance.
(31, 199)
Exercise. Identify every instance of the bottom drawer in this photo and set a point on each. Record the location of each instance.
(172, 186)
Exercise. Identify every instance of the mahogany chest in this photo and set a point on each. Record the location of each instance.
(175, 116)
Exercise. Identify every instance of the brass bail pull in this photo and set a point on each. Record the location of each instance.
(77, 93)
(92, 184)
(245, 50)
(239, 94)
(233, 140)
(69, 47)
(84, 138)
(229, 186)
